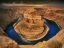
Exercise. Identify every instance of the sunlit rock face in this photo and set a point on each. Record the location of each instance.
(6, 42)
(31, 27)
(53, 17)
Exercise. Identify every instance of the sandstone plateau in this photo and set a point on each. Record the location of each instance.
(54, 13)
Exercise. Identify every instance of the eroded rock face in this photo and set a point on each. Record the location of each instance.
(52, 13)
(2, 32)
(55, 42)
(6, 17)
(6, 42)
(32, 27)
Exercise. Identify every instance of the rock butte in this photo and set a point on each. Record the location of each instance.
(31, 27)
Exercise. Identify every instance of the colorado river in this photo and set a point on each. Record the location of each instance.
(53, 30)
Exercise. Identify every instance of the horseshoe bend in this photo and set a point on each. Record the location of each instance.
(36, 24)
(31, 27)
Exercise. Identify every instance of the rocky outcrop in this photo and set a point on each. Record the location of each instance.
(55, 42)
(6, 42)
(26, 46)
(6, 17)
(31, 27)
(53, 13)
(2, 32)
